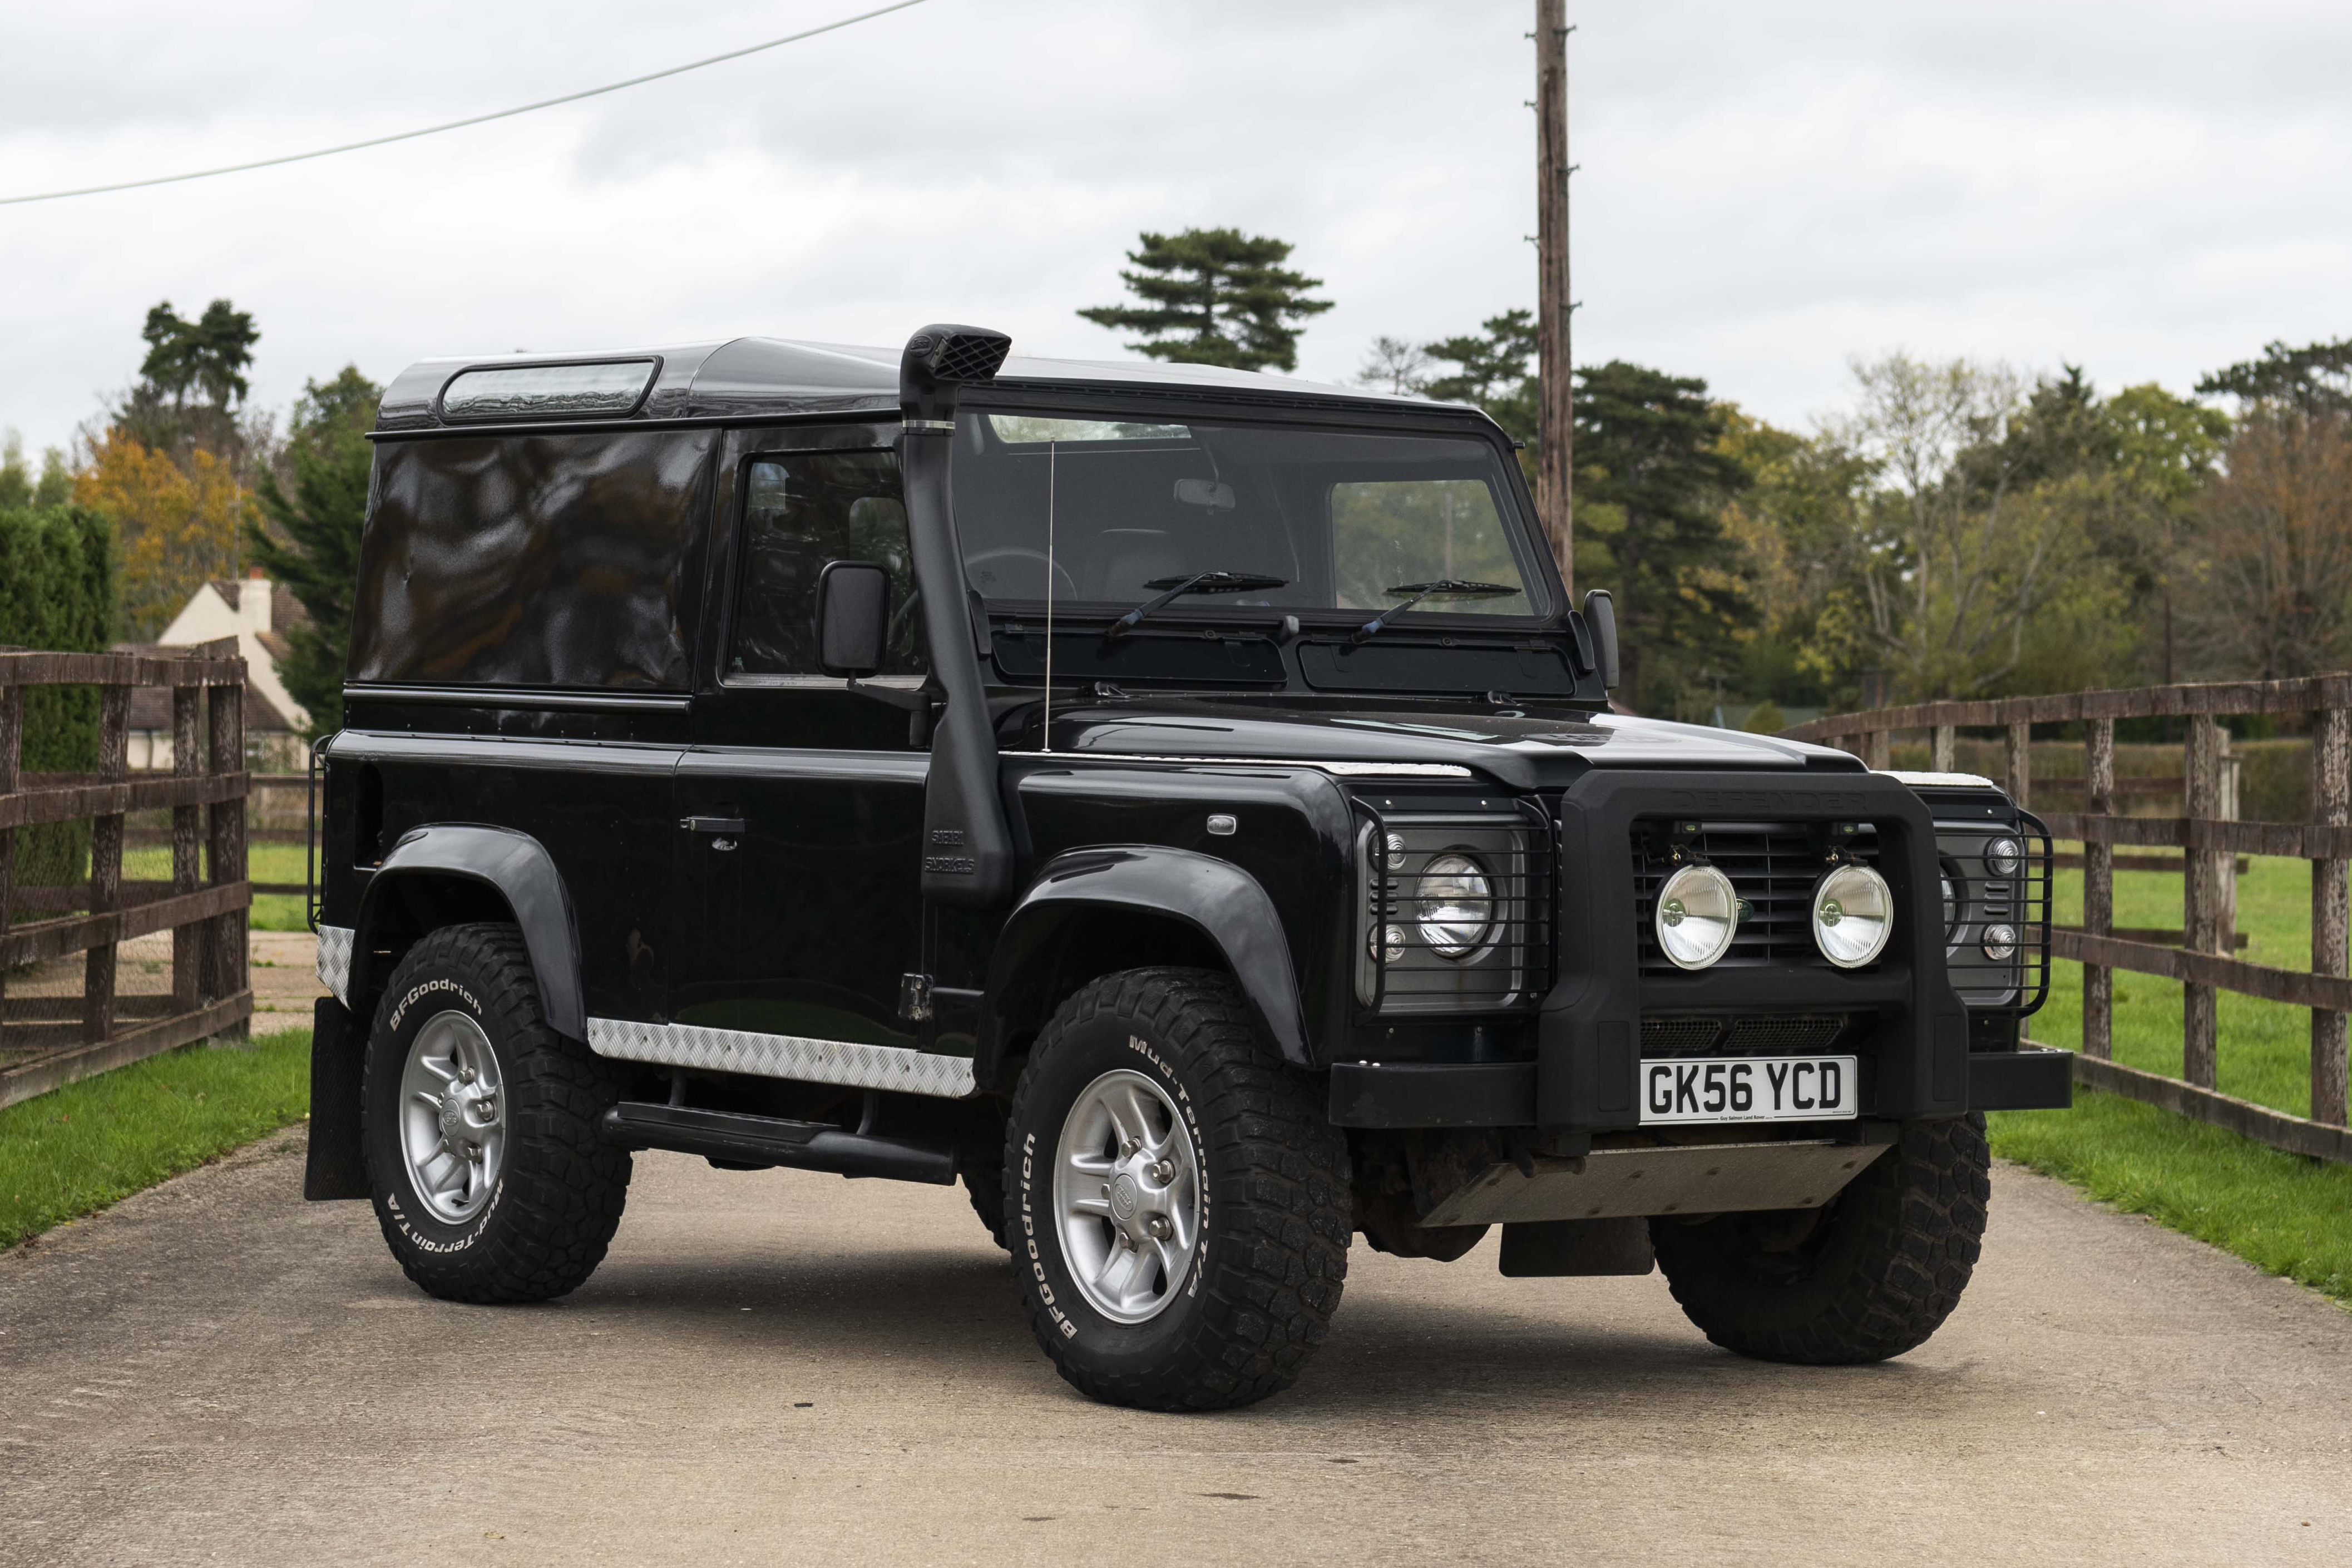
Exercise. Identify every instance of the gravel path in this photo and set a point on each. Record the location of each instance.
(786, 1368)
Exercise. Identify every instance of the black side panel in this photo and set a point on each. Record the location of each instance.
(523, 875)
(555, 560)
(336, 1169)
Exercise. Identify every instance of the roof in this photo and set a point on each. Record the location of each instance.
(756, 376)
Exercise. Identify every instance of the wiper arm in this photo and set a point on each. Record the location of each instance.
(1444, 588)
(1176, 587)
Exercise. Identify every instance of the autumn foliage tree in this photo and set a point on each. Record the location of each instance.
(174, 526)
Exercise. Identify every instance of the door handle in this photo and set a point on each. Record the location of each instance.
(711, 824)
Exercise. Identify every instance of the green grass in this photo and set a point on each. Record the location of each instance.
(2280, 1212)
(263, 862)
(2283, 1213)
(79, 1148)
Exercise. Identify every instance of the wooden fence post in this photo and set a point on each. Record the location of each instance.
(231, 970)
(106, 863)
(1879, 749)
(2331, 908)
(2021, 763)
(2200, 900)
(12, 735)
(1946, 748)
(2099, 889)
(187, 844)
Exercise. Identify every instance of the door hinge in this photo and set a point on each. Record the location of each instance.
(915, 998)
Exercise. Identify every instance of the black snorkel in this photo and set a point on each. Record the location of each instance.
(967, 845)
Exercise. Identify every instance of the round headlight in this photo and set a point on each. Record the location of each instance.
(1456, 908)
(1698, 916)
(2000, 943)
(1854, 913)
(2002, 857)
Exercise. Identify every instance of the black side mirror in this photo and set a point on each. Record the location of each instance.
(853, 615)
(1600, 618)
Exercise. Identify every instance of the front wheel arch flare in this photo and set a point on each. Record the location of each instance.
(1223, 905)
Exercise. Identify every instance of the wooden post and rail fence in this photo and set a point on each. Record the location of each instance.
(2211, 841)
(50, 1037)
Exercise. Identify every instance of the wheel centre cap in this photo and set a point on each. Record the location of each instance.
(1124, 1196)
(453, 1116)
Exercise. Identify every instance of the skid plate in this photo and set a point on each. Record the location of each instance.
(1705, 1179)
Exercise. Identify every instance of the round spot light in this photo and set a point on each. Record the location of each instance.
(2002, 857)
(2000, 943)
(1854, 913)
(1698, 913)
(1456, 908)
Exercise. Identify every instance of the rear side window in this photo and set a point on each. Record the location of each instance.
(802, 510)
(540, 560)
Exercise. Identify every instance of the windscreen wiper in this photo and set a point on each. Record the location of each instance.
(1444, 588)
(1177, 588)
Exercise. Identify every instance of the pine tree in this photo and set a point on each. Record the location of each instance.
(1650, 460)
(1214, 296)
(311, 542)
(1495, 372)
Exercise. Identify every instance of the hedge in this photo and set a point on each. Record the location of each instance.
(56, 593)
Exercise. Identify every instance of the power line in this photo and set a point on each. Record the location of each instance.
(461, 124)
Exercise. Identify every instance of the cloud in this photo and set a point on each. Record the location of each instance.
(1764, 190)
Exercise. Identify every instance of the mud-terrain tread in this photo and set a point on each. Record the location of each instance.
(1922, 1207)
(979, 1163)
(565, 1186)
(1283, 1223)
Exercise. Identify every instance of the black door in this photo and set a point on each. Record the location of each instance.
(800, 802)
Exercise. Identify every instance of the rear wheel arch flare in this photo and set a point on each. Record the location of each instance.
(450, 874)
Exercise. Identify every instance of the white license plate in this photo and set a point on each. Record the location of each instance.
(1748, 1089)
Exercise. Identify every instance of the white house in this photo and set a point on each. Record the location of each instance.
(258, 613)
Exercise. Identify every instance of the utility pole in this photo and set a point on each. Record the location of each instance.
(1555, 419)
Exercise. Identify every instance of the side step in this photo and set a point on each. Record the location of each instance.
(773, 1141)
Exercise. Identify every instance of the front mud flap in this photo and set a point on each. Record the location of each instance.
(1681, 1179)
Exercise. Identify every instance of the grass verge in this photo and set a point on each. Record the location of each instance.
(77, 1149)
(2278, 1212)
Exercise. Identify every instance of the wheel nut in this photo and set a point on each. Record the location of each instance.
(465, 1075)
(1162, 1171)
(1160, 1227)
(1127, 1148)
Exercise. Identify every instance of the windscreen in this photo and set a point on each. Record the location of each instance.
(1118, 511)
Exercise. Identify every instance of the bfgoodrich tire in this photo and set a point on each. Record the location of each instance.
(1868, 1277)
(1176, 1200)
(480, 1126)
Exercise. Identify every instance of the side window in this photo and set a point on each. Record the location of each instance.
(801, 511)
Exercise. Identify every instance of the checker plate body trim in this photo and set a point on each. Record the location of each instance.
(782, 1056)
(335, 960)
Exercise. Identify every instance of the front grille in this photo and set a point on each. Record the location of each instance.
(1760, 1034)
(1773, 866)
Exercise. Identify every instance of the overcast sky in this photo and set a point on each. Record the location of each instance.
(2146, 189)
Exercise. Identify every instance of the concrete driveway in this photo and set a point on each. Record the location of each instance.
(788, 1368)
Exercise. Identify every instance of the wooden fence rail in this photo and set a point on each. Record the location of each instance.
(2211, 841)
(49, 1039)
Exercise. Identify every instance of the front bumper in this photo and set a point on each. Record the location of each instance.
(1503, 1093)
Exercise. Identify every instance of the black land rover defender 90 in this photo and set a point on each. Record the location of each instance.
(1179, 802)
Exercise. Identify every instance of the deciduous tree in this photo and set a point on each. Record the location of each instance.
(175, 527)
